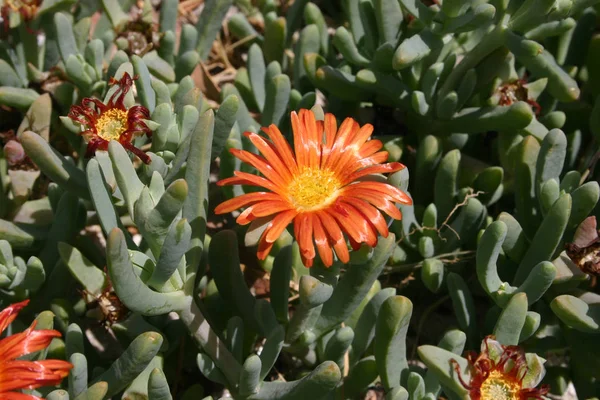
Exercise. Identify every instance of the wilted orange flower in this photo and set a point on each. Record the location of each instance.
(20, 374)
(502, 373)
(324, 186)
(112, 121)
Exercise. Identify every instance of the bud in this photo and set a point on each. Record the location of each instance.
(14, 153)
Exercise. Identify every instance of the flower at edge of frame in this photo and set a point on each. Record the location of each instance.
(501, 373)
(21, 374)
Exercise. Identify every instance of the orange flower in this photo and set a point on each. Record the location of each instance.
(112, 121)
(20, 374)
(502, 373)
(324, 186)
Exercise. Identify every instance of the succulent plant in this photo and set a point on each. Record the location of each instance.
(292, 200)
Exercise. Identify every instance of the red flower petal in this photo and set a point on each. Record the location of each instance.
(8, 315)
(22, 374)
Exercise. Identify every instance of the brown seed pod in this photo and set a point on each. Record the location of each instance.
(585, 248)
(106, 307)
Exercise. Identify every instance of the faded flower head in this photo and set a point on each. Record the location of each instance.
(14, 153)
(514, 91)
(503, 373)
(18, 374)
(26, 8)
(141, 36)
(106, 306)
(585, 249)
(325, 186)
(112, 121)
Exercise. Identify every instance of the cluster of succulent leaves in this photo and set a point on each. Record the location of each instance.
(493, 105)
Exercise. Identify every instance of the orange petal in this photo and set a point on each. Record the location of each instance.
(379, 188)
(346, 224)
(264, 248)
(312, 141)
(244, 178)
(369, 148)
(308, 262)
(336, 236)
(331, 226)
(270, 207)
(330, 124)
(361, 136)
(349, 153)
(21, 374)
(330, 128)
(261, 164)
(279, 223)
(375, 159)
(390, 209)
(363, 226)
(370, 213)
(355, 190)
(380, 202)
(28, 341)
(283, 147)
(320, 133)
(355, 245)
(303, 230)
(299, 138)
(245, 216)
(322, 243)
(345, 163)
(244, 201)
(8, 315)
(270, 155)
(373, 169)
(346, 130)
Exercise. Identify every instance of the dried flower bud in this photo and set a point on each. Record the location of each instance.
(585, 249)
(14, 153)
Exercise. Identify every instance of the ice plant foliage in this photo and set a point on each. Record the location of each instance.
(112, 121)
(501, 373)
(325, 186)
(18, 374)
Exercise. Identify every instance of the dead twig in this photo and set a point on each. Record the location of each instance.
(445, 223)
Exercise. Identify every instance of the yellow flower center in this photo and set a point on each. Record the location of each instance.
(112, 124)
(313, 188)
(498, 387)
